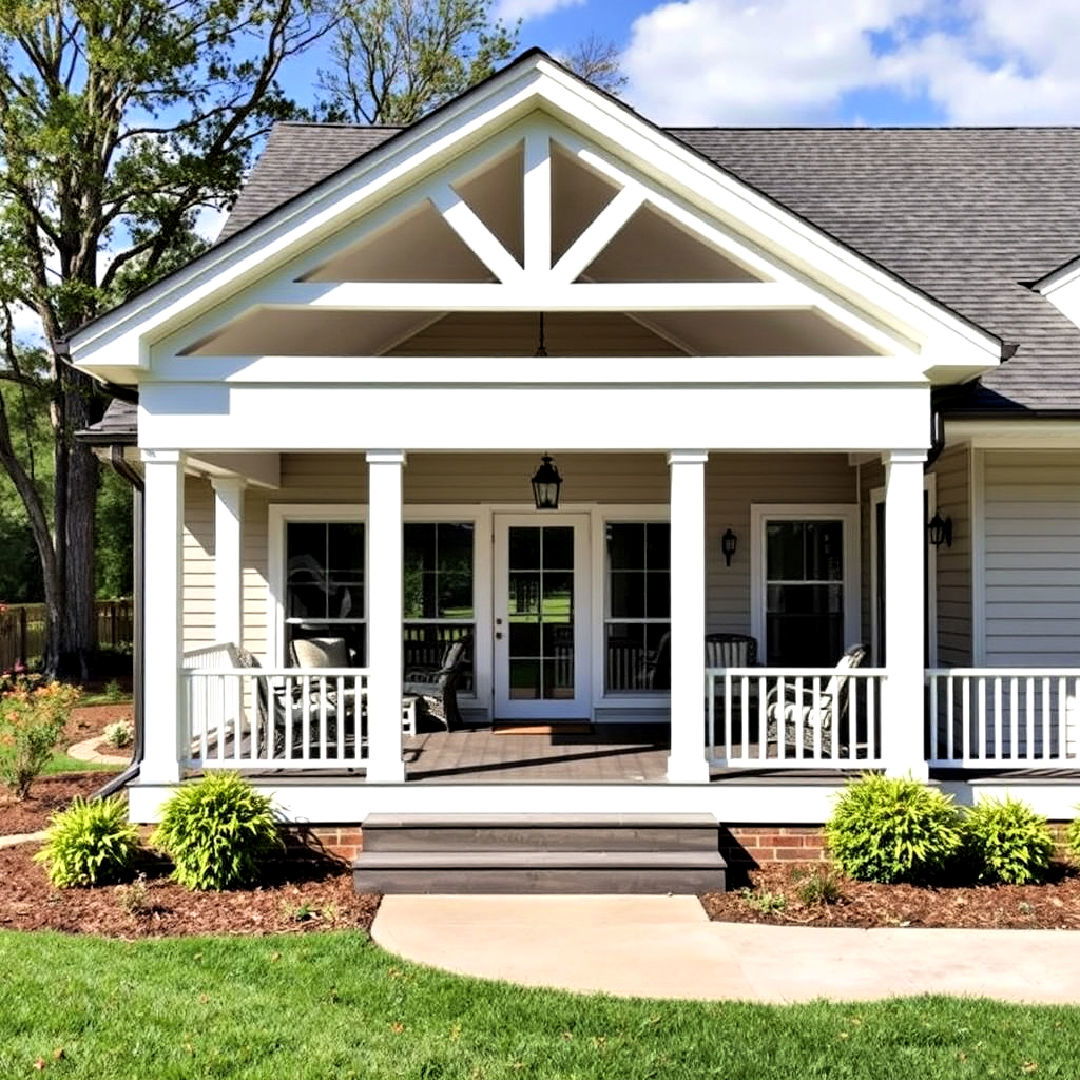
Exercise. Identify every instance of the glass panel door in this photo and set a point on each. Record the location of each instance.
(539, 637)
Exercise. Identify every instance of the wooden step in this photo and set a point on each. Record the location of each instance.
(540, 832)
(539, 871)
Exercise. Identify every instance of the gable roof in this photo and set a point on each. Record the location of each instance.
(969, 216)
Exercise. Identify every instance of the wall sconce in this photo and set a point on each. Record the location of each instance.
(546, 484)
(939, 530)
(728, 543)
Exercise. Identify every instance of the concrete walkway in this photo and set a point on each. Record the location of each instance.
(666, 947)
(87, 751)
(21, 838)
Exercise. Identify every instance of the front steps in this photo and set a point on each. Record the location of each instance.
(540, 853)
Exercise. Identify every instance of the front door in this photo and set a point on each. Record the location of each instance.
(542, 668)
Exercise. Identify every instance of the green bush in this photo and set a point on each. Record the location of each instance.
(892, 829)
(1007, 842)
(89, 843)
(216, 831)
(1072, 838)
(33, 714)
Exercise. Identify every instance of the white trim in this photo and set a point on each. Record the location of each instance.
(598, 234)
(977, 495)
(537, 201)
(475, 235)
(849, 514)
(1006, 434)
(877, 497)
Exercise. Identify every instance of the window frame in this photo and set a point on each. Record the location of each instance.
(761, 514)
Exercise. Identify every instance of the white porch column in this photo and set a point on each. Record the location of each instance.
(162, 636)
(385, 600)
(687, 763)
(228, 558)
(905, 556)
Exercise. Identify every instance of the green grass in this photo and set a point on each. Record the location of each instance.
(62, 763)
(103, 698)
(332, 1005)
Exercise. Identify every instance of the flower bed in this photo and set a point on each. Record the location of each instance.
(48, 793)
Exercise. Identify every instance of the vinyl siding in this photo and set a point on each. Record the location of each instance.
(1032, 558)
(952, 470)
(733, 482)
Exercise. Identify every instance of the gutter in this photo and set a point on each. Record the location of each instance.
(123, 468)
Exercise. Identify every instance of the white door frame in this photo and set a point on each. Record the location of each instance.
(581, 705)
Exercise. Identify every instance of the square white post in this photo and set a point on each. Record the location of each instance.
(165, 723)
(385, 601)
(905, 558)
(228, 558)
(687, 763)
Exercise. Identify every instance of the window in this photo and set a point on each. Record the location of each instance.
(438, 588)
(804, 592)
(637, 610)
(324, 584)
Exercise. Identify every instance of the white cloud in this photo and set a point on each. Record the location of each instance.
(789, 61)
(512, 10)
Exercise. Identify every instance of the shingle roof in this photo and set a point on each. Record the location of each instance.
(117, 425)
(969, 216)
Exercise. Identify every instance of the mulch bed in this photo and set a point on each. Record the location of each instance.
(300, 897)
(1054, 905)
(49, 793)
(93, 720)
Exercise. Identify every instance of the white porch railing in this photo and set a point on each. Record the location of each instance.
(804, 718)
(1003, 717)
(274, 718)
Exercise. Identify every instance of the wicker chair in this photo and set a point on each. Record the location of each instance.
(438, 687)
(730, 651)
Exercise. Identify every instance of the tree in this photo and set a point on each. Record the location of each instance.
(597, 61)
(120, 121)
(394, 60)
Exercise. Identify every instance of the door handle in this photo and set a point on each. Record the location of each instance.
(498, 636)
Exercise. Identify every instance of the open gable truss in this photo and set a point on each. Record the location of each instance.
(791, 267)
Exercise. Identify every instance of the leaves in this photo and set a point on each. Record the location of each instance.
(89, 843)
(1007, 841)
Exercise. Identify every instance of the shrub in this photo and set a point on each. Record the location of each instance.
(89, 843)
(891, 829)
(120, 734)
(216, 831)
(1072, 838)
(819, 886)
(1007, 842)
(32, 719)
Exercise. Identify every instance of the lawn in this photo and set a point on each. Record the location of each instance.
(63, 763)
(333, 1005)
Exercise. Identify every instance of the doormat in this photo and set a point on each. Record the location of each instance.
(512, 728)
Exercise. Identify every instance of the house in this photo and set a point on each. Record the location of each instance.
(811, 388)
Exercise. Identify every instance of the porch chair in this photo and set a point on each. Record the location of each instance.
(730, 651)
(438, 687)
(831, 706)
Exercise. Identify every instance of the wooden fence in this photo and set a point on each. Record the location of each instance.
(22, 629)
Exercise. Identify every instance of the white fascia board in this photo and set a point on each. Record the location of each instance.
(1062, 289)
(220, 417)
(684, 371)
(1015, 434)
(260, 470)
(120, 340)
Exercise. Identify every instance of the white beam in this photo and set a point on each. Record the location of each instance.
(163, 472)
(665, 296)
(228, 558)
(905, 558)
(476, 236)
(687, 763)
(385, 599)
(598, 234)
(537, 202)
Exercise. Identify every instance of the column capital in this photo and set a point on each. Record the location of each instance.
(160, 457)
(386, 457)
(228, 483)
(903, 457)
(687, 457)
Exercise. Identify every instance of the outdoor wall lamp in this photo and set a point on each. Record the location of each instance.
(939, 530)
(728, 543)
(546, 483)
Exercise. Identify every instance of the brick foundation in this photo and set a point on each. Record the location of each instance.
(342, 842)
(750, 845)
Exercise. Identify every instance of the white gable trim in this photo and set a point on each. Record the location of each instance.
(118, 343)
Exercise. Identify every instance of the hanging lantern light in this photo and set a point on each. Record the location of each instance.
(546, 483)
(939, 530)
(728, 542)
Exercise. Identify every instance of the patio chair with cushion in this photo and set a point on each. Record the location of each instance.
(438, 687)
(818, 714)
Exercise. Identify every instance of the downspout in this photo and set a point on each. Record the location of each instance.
(123, 468)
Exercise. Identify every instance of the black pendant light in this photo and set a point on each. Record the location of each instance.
(546, 483)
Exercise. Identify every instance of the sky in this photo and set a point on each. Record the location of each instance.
(832, 62)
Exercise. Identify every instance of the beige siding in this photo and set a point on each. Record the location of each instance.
(952, 470)
(734, 482)
(1032, 558)
(871, 476)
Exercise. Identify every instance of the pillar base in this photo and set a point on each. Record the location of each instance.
(385, 772)
(694, 771)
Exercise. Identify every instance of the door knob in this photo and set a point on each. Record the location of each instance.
(498, 636)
